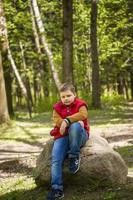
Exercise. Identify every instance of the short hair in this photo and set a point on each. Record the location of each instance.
(67, 86)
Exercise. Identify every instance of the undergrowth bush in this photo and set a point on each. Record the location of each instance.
(112, 100)
(45, 105)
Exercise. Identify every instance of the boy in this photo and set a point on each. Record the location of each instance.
(70, 133)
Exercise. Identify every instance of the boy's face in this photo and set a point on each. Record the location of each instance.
(67, 97)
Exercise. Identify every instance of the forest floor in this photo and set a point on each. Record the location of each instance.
(23, 140)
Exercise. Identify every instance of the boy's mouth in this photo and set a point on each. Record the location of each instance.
(66, 102)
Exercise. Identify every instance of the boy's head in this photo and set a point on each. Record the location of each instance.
(67, 93)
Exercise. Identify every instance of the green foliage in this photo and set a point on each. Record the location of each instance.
(112, 100)
(45, 104)
(115, 45)
(111, 196)
(114, 34)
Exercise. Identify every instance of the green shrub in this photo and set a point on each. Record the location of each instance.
(45, 104)
(112, 100)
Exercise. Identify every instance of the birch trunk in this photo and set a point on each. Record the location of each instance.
(20, 82)
(14, 67)
(26, 81)
(6, 46)
(44, 42)
(37, 42)
(41, 67)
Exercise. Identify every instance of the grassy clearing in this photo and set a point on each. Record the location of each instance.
(16, 176)
(38, 127)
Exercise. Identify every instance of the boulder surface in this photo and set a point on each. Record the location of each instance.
(98, 162)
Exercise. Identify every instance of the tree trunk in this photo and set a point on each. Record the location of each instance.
(8, 85)
(41, 66)
(27, 82)
(36, 37)
(131, 83)
(67, 41)
(45, 44)
(120, 84)
(94, 56)
(21, 84)
(4, 116)
(14, 67)
(125, 83)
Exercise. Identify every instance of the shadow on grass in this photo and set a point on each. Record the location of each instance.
(33, 194)
(31, 140)
(42, 118)
(112, 116)
(16, 166)
(35, 142)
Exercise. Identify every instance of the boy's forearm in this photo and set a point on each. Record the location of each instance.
(57, 118)
(79, 116)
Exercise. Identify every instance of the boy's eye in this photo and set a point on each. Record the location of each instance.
(65, 96)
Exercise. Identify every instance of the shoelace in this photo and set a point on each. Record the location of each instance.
(76, 162)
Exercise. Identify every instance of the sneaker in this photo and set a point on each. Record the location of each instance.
(55, 194)
(74, 165)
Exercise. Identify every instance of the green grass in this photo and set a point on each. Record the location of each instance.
(111, 115)
(127, 154)
(18, 182)
(26, 189)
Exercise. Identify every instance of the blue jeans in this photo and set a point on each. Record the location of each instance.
(66, 146)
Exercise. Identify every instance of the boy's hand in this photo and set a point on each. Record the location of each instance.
(63, 127)
(82, 123)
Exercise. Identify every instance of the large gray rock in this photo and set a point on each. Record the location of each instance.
(98, 162)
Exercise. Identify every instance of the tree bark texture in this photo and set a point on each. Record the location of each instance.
(8, 86)
(67, 58)
(41, 68)
(131, 83)
(94, 56)
(44, 42)
(4, 116)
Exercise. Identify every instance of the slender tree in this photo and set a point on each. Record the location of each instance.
(20, 81)
(67, 41)
(26, 79)
(94, 56)
(40, 68)
(44, 42)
